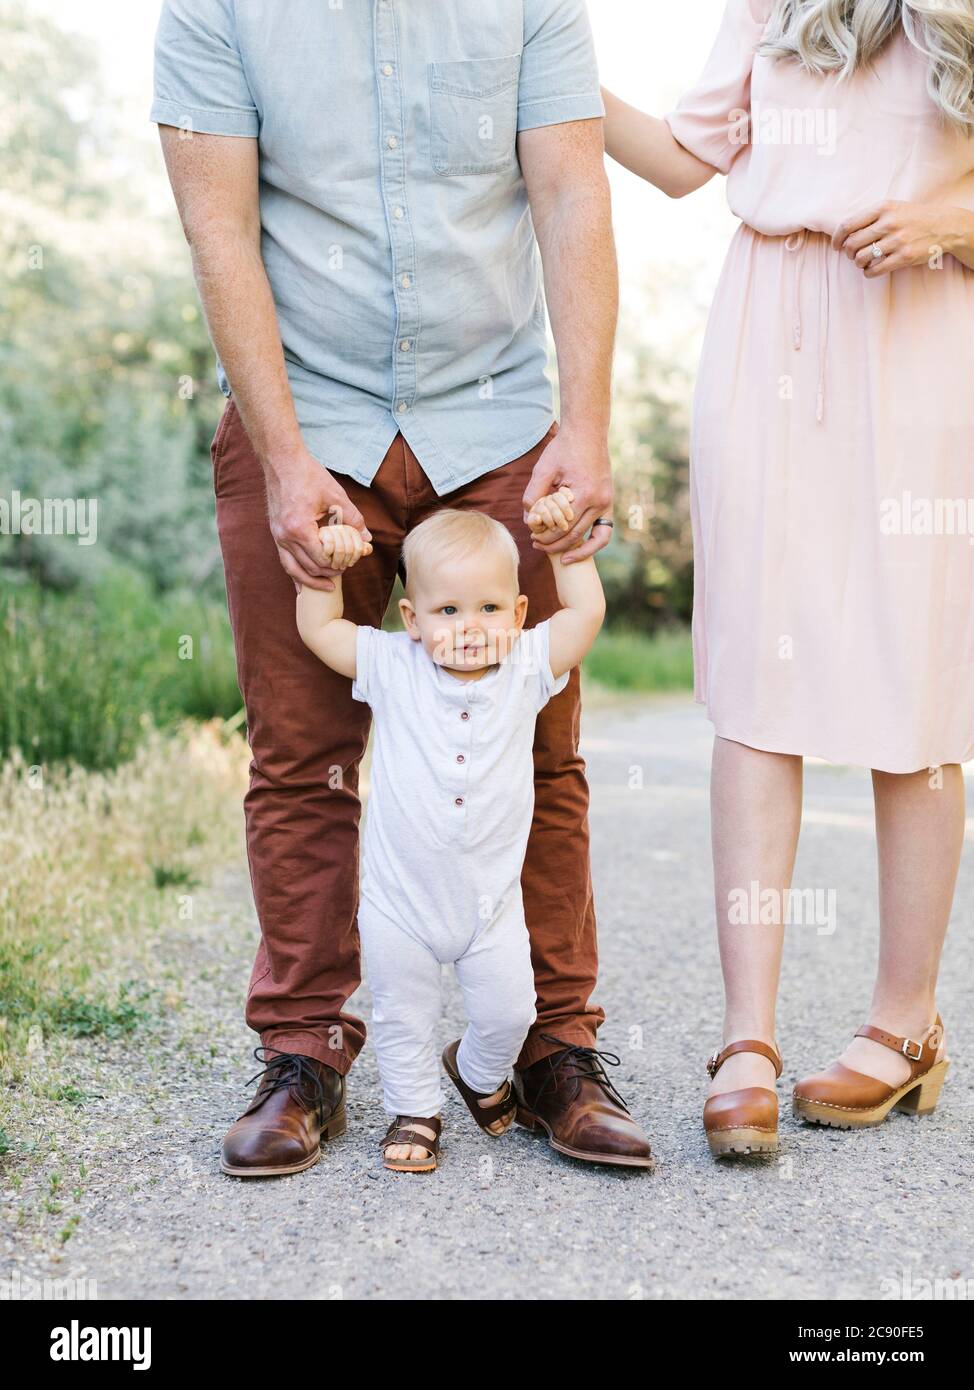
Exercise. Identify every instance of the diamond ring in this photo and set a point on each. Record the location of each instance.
(877, 251)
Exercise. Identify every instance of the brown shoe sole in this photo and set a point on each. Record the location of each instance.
(740, 1143)
(411, 1165)
(534, 1122)
(336, 1126)
(917, 1097)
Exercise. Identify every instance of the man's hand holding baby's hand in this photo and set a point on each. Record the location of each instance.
(553, 513)
(343, 546)
(576, 624)
(319, 612)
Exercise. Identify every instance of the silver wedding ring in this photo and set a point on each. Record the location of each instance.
(602, 521)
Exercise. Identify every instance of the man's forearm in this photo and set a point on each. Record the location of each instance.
(242, 319)
(574, 231)
(215, 181)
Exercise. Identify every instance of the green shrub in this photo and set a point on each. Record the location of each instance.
(83, 673)
(629, 660)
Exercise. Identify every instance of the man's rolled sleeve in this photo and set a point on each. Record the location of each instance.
(200, 83)
(559, 73)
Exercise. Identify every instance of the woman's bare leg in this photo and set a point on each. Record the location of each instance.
(755, 805)
(920, 832)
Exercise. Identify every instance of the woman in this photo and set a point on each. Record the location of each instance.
(833, 427)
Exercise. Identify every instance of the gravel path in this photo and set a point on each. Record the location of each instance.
(836, 1215)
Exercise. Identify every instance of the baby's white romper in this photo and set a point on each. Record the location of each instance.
(447, 825)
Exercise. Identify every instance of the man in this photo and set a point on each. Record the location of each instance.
(357, 181)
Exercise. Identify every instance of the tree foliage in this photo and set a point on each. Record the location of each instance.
(106, 375)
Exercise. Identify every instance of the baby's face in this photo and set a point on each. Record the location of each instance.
(466, 615)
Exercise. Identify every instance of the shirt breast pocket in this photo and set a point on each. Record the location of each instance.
(473, 115)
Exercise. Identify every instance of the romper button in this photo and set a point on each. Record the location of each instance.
(459, 801)
(461, 758)
(464, 715)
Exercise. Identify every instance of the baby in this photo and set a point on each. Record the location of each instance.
(455, 698)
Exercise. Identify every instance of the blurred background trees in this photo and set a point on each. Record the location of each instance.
(106, 379)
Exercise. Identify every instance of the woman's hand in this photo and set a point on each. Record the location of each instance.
(908, 234)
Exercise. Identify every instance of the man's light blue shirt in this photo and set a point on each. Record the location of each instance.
(396, 230)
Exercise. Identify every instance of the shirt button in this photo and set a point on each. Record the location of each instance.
(459, 801)
(401, 408)
(464, 714)
(392, 142)
(388, 69)
(399, 213)
(461, 758)
(405, 345)
(405, 282)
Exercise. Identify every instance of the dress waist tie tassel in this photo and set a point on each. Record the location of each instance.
(797, 245)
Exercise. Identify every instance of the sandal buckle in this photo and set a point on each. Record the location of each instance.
(712, 1064)
(907, 1044)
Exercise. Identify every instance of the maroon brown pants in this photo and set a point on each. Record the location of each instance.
(307, 736)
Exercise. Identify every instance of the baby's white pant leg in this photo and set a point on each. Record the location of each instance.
(405, 979)
(497, 980)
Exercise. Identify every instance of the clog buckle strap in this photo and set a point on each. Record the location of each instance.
(744, 1045)
(915, 1051)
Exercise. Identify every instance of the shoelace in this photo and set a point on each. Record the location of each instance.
(289, 1069)
(589, 1063)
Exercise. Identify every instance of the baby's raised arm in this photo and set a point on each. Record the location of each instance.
(323, 630)
(576, 625)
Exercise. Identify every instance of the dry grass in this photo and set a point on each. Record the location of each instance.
(94, 867)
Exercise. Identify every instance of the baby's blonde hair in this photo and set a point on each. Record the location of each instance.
(453, 535)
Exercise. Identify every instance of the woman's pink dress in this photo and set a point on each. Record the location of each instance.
(833, 428)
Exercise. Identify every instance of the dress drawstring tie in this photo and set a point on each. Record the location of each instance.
(797, 244)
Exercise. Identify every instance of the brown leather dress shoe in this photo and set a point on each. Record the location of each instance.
(570, 1097)
(300, 1103)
